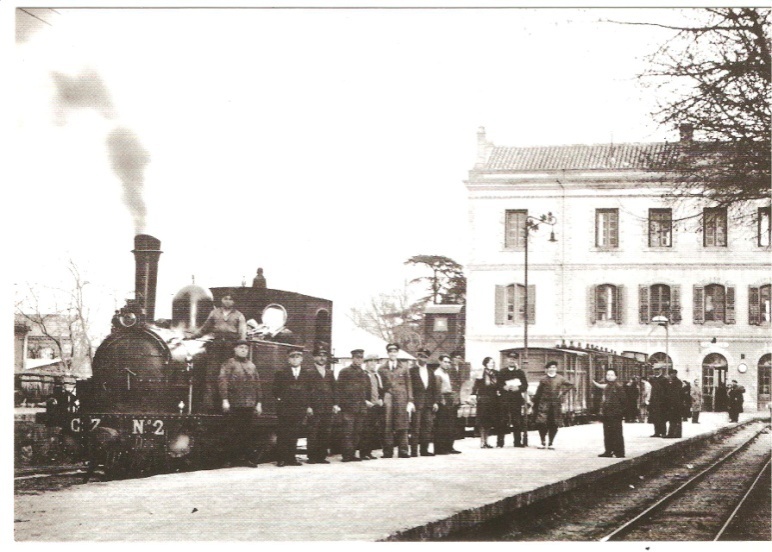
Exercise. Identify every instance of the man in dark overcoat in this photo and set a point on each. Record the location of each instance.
(353, 394)
(658, 402)
(735, 400)
(512, 383)
(320, 383)
(461, 379)
(447, 413)
(292, 407)
(397, 403)
(612, 411)
(426, 405)
(673, 406)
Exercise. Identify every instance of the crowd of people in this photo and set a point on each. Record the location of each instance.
(404, 409)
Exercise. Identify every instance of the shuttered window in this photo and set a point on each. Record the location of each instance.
(660, 227)
(510, 304)
(714, 227)
(606, 303)
(659, 300)
(759, 304)
(607, 228)
(514, 229)
(714, 303)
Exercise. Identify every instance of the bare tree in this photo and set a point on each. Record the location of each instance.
(392, 316)
(61, 315)
(713, 77)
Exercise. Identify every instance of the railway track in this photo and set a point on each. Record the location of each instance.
(704, 506)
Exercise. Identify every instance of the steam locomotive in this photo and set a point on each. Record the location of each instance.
(147, 407)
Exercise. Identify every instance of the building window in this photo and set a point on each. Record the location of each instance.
(759, 305)
(714, 303)
(660, 227)
(514, 237)
(765, 226)
(659, 300)
(510, 304)
(606, 303)
(607, 228)
(714, 227)
(440, 324)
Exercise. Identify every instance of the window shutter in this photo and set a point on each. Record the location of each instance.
(699, 305)
(675, 304)
(754, 308)
(613, 226)
(730, 317)
(619, 305)
(591, 291)
(500, 308)
(531, 306)
(643, 305)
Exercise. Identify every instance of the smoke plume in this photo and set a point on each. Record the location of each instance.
(128, 159)
(85, 91)
(127, 156)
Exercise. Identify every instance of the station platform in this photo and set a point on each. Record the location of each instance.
(384, 499)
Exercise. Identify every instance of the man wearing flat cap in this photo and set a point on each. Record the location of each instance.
(320, 383)
(292, 406)
(398, 403)
(353, 394)
(426, 405)
(239, 385)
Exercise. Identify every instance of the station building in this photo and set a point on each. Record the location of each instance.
(683, 282)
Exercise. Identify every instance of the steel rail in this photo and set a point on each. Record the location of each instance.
(41, 475)
(742, 501)
(630, 524)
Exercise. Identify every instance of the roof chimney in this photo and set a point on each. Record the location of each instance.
(483, 147)
(687, 132)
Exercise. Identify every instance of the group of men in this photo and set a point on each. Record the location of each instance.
(398, 409)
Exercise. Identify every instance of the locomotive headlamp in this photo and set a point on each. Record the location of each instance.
(128, 319)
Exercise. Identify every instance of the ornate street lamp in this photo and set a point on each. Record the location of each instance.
(532, 223)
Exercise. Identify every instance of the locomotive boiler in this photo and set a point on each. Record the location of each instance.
(145, 408)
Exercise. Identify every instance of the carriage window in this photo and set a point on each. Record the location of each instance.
(441, 324)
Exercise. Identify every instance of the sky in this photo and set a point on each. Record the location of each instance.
(326, 146)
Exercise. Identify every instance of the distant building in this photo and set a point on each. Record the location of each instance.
(623, 256)
(37, 350)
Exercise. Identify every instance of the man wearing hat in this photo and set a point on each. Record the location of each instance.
(239, 385)
(372, 429)
(447, 413)
(320, 383)
(398, 403)
(292, 406)
(426, 405)
(353, 394)
(512, 384)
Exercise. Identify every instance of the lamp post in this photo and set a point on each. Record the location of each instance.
(532, 223)
(663, 321)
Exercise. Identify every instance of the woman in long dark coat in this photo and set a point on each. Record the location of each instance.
(486, 391)
(548, 403)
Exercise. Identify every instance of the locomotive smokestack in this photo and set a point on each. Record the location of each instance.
(147, 250)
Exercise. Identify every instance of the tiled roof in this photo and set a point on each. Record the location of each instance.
(583, 157)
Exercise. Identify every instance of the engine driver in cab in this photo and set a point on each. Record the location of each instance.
(228, 326)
